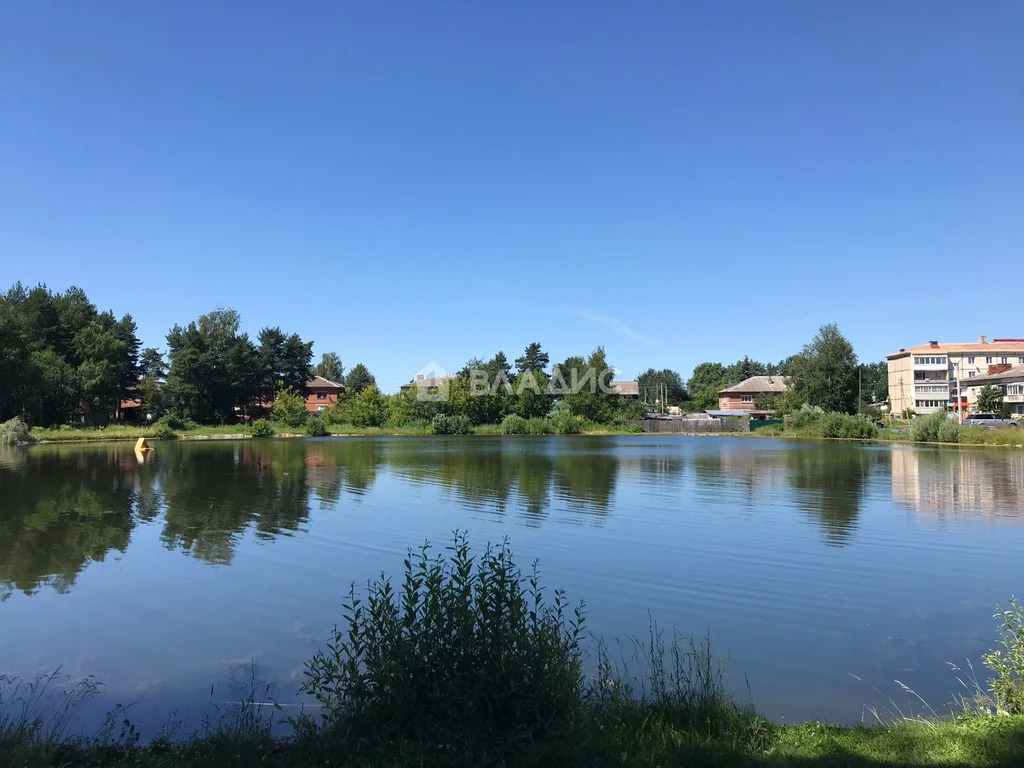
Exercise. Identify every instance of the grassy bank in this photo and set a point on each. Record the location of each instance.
(809, 422)
(132, 432)
(644, 736)
(464, 660)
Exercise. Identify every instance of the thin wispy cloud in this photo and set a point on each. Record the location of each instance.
(519, 302)
(610, 322)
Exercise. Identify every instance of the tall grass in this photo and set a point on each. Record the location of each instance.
(38, 714)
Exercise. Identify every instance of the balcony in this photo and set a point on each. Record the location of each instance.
(931, 389)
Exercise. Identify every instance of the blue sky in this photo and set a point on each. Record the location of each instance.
(407, 182)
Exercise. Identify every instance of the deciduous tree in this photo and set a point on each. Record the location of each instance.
(990, 399)
(825, 372)
(664, 383)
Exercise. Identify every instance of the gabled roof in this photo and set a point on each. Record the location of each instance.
(319, 382)
(758, 384)
(1016, 373)
(626, 388)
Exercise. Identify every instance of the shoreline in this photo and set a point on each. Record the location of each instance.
(384, 432)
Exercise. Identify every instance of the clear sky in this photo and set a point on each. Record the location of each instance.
(430, 181)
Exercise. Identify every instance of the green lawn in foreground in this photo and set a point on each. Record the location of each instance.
(647, 738)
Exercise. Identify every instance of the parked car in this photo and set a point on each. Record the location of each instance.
(988, 420)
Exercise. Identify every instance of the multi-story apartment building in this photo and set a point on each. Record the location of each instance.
(927, 378)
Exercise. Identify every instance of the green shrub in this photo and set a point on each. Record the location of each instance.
(1007, 663)
(177, 423)
(163, 431)
(539, 426)
(934, 428)
(289, 408)
(634, 428)
(451, 425)
(467, 648)
(948, 432)
(315, 427)
(15, 432)
(844, 425)
(805, 416)
(564, 423)
(261, 428)
(513, 425)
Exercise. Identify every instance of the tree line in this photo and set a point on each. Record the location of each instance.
(62, 360)
(825, 373)
(520, 388)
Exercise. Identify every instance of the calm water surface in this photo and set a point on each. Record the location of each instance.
(826, 571)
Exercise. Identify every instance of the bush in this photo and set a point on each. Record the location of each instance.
(513, 425)
(289, 408)
(564, 423)
(538, 426)
(15, 432)
(261, 428)
(949, 431)
(634, 428)
(805, 416)
(315, 427)
(369, 408)
(467, 648)
(451, 425)
(163, 431)
(1007, 664)
(177, 423)
(934, 428)
(844, 425)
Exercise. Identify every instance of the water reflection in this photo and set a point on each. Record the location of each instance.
(946, 484)
(57, 516)
(829, 480)
(64, 506)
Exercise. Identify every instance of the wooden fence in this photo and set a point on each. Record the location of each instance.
(696, 425)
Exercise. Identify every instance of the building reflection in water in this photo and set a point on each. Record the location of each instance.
(958, 483)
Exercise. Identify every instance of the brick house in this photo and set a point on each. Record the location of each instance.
(741, 397)
(322, 393)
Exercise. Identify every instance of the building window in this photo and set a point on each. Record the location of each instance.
(321, 408)
(747, 398)
(1006, 360)
(1020, 360)
(970, 375)
(970, 361)
(321, 395)
(988, 360)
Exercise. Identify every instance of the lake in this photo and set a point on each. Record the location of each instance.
(826, 571)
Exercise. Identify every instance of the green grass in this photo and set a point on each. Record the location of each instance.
(1009, 437)
(129, 432)
(465, 660)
